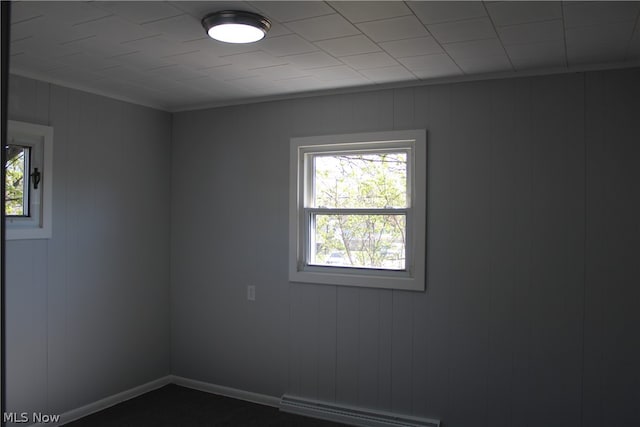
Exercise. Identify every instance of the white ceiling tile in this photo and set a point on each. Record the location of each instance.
(277, 30)
(404, 27)
(198, 59)
(100, 46)
(158, 46)
(23, 11)
(140, 12)
(412, 47)
(53, 31)
(599, 12)
(433, 12)
(369, 60)
(256, 59)
(116, 29)
(600, 43)
(490, 47)
(178, 28)
(361, 11)
(31, 63)
(79, 40)
(312, 60)
(142, 61)
(69, 12)
(230, 72)
(217, 48)
(537, 55)
(459, 31)
(281, 72)
(123, 73)
(256, 86)
(431, 66)
(292, 10)
(176, 72)
(286, 45)
(42, 47)
(519, 12)
(336, 73)
(532, 32)
(323, 27)
(348, 46)
(86, 61)
(388, 74)
(301, 84)
(484, 64)
(211, 86)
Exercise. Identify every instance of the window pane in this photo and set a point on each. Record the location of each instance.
(366, 241)
(361, 180)
(16, 182)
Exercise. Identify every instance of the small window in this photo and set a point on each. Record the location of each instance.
(28, 180)
(358, 213)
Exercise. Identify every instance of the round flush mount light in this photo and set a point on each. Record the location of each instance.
(232, 26)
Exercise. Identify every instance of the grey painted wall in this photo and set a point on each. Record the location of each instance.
(530, 315)
(88, 310)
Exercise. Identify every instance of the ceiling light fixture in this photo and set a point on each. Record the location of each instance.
(232, 26)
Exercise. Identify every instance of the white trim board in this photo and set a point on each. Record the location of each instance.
(261, 399)
(109, 401)
(115, 399)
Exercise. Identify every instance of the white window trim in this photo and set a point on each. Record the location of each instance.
(18, 228)
(412, 279)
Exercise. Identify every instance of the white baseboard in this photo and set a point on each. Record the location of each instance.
(107, 402)
(248, 396)
(352, 415)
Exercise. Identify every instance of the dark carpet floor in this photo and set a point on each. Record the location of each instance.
(175, 406)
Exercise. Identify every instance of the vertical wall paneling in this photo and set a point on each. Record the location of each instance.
(558, 215)
(347, 345)
(89, 307)
(57, 258)
(402, 352)
(432, 327)
(610, 370)
(508, 171)
(520, 323)
(26, 280)
(368, 348)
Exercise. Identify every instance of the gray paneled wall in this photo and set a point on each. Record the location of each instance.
(88, 310)
(530, 315)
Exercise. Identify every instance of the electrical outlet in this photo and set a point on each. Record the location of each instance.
(251, 292)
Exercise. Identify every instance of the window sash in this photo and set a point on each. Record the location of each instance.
(307, 167)
(26, 180)
(306, 241)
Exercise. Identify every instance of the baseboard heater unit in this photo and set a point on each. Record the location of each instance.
(350, 414)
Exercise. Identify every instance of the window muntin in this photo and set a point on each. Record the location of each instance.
(358, 209)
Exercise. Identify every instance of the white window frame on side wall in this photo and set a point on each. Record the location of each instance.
(39, 139)
(302, 152)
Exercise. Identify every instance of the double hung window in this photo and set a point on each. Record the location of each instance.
(358, 209)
